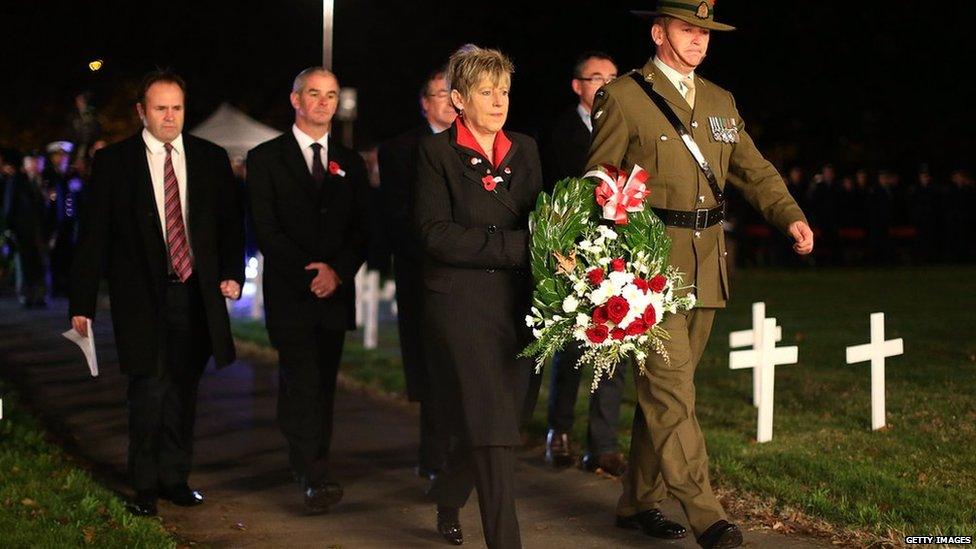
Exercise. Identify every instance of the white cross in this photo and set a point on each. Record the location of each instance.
(766, 357)
(876, 352)
(747, 338)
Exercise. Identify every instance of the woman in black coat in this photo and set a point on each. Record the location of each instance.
(476, 185)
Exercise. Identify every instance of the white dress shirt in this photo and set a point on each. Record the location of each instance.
(156, 155)
(305, 144)
(585, 117)
(674, 76)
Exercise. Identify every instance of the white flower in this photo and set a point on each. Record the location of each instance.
(627, 347)
(535, 311)
(604, 261)
(582, 320)
(603, 292)
(548, 322)
(529, 321)
(619, 279)
(581, 286)
(536, 333)
(556, 318)
(600, 241)
(692, 300)
(606, 232)
(570, 304)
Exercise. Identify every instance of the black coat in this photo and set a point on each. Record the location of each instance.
(297, 224)
(565, 149)
(398, 169)
(121, 233)
(478, 285)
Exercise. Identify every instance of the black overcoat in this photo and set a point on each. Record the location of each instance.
(121, 237)
(477, 281)
(398, 168)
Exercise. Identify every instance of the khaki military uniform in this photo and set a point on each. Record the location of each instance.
(667, 449)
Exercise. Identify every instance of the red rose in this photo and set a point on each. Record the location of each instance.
(597, 333)
(637, 327)
(595, 275)
(618, 265)
(657, 283)
(600, 315)
(489, 183)
(617, 308)
(641, 284)
(650, 316)
(617, 334)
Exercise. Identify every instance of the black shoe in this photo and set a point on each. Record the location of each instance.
(610, 463)
(653, 523)
(322, 495)
(449, 526)
(721, 535)
(558, 453)
(143, 505)
(182, 495)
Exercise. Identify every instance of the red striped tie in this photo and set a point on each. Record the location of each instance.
(179, 249)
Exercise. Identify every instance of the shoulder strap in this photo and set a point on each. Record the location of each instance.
(686, 138)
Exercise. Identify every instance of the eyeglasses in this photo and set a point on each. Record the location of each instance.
(601, 80)
(438, 95)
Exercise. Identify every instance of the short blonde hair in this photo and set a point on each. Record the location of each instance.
(470, 64)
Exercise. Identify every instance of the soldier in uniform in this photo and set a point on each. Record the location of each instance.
(631, 127)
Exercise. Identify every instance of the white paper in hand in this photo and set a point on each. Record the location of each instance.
(87, 345)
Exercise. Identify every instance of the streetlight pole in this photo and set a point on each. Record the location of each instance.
(328, 17)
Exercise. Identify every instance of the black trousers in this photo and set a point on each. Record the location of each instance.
(604, 402)
(162, 407)
(490, 469)
(308, 359)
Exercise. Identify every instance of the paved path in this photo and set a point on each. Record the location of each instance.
(242, 469)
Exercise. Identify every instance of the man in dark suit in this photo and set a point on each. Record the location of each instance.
(309, 196)
(164, 221)
(398, 169)
(565, 156)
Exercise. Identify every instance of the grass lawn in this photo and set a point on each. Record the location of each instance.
(46, 501)
(917, 476)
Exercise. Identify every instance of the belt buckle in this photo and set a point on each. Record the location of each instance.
(701, 218)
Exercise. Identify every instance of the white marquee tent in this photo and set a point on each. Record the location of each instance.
(234, 130)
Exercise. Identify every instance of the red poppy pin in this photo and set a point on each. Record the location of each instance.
(489, 183)
(336, 169)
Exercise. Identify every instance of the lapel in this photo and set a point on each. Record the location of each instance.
(475, 172)
(664, 87)
(194, 169)
(147, 215)
(295, 162)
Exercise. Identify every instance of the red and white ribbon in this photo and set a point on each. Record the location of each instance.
(619, 193)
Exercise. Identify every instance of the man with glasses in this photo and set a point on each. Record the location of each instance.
(565, 155)
(398, 169)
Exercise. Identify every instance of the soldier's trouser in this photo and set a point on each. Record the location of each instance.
(667, 451)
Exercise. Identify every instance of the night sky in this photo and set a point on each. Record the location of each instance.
(874, 84)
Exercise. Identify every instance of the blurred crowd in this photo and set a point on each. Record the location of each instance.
(865, 218)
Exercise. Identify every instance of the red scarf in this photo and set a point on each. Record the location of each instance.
(466, 139)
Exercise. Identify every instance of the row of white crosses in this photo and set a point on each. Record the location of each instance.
(764, 356)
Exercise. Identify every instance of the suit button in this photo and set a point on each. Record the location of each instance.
(664, 138)
(490, 271)
(492, 229)
(694, 124)
(697, 234)
(724, 254)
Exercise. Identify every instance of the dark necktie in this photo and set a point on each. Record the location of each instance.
(318, 170)
(179, 248)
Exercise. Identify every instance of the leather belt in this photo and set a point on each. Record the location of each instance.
(699, 219)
